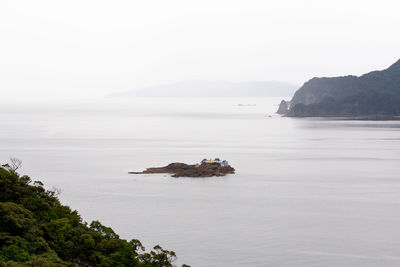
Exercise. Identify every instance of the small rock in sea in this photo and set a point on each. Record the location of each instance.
(207, 168)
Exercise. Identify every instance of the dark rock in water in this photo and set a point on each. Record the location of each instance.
(196, 170)
(283, 107)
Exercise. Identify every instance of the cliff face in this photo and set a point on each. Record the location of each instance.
(317, 89)
(374, 93)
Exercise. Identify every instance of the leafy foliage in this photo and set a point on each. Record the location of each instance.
(37, 230)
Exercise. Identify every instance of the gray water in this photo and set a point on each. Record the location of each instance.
(307, 192)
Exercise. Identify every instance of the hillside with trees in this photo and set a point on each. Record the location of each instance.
(37, 230)
(375, 94)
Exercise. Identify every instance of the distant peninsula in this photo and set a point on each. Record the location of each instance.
(213, 89)
(375, 95)
(207, 168)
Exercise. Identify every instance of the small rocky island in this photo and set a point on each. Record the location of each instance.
(207, 168)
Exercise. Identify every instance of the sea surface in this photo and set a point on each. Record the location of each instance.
(307, 192)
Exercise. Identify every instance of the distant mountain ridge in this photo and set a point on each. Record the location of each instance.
(376, 93)
(213, 89)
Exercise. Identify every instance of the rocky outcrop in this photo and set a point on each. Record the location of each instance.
(283, 107)
(196, 170)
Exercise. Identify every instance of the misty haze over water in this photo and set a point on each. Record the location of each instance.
(91, 90)
(307, 192)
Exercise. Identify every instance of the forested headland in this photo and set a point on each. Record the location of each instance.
(37, 230)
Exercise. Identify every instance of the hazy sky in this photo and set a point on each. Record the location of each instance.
(80, 48)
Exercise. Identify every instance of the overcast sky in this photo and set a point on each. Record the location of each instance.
(82, 48)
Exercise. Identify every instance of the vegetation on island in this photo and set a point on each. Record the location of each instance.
(37, 230)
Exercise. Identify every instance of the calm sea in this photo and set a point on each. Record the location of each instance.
(307, 192)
